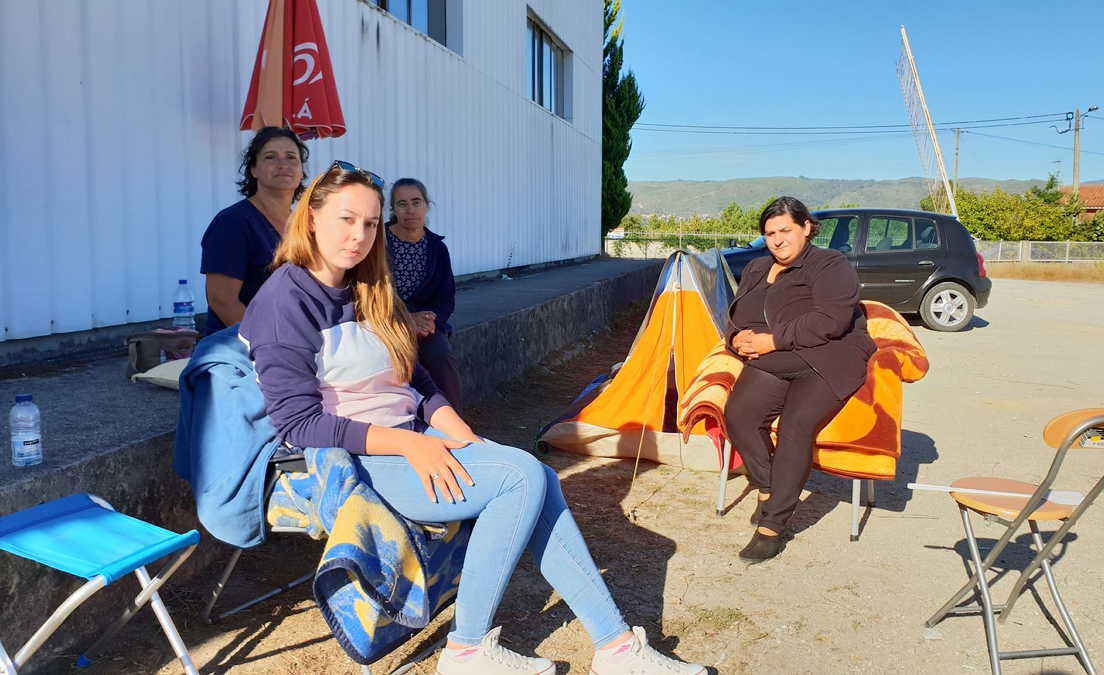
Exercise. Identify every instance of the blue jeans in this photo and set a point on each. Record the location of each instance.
(517, 505)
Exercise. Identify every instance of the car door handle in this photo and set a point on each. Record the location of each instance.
(926, 263)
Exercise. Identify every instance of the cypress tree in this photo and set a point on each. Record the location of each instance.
(622, 105)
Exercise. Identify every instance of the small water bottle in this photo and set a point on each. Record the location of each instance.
(184, 307)
(26, 432)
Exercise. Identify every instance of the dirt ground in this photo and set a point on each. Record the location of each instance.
(825, 605)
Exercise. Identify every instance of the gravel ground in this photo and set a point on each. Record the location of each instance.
(825, 605)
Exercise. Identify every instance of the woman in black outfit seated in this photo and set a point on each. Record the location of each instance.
(422, 273)
(797, 325)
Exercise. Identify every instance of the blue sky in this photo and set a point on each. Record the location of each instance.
(800, 64)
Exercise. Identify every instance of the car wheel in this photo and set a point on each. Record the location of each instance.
(947, 307)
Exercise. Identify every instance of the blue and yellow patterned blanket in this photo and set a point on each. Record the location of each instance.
(382, 577)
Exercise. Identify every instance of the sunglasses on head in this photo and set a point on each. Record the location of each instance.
(347, 166)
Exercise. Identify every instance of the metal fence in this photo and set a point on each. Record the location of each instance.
(1041, 251)
(660, 246)
(635, 245)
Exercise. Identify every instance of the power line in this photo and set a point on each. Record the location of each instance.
(1027, 142)
(797, 131)
(1060, 118)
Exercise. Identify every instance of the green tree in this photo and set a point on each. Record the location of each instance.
(622, 105)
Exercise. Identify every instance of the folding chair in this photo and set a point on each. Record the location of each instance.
(84, 536)
(290, 464)
(1080, 429)
(858, 499)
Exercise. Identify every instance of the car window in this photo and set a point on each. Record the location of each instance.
(838, 233)
(889, 234)
(927, 234)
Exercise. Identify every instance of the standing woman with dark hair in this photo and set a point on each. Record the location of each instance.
(422, 271)
(242, 238)
(797, 325)
(335, 350)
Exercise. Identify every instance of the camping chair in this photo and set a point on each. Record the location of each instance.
(290, 464)
(858, 499)
(84, 536)
(286, 465)
(1080, 429)
(851, 445)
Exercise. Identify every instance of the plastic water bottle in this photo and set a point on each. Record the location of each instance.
(184, 307)
(26, 432)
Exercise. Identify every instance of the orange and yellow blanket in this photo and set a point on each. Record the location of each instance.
(864, 439)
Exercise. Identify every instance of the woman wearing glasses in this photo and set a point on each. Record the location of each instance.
(336, 360)
(239, 243)
(422, 273)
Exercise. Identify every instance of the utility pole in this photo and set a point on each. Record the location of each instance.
(954, 183)
(1076, 153)
(1077, 150)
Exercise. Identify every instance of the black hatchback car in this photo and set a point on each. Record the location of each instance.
(916, 262)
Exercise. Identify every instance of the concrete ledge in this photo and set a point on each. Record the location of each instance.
(106, 436)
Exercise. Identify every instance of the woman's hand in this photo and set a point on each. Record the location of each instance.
(431, 457)
(425, 323)
(753, 345)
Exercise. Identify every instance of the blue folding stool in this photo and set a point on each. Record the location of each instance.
(84, 536)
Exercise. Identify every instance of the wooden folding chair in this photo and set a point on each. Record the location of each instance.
(84, 536)
(1080, 429)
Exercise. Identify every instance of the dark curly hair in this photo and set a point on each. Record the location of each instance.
(247, 184)
(792, 207)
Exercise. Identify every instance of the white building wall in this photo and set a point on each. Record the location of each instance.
(118, 129)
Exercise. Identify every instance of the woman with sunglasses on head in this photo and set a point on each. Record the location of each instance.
(240, 241)
(797, 325)
(422, 273)
(335, 352)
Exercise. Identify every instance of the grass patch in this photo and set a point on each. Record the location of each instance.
(1084, 272)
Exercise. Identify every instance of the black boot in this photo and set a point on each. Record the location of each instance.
(761, 547)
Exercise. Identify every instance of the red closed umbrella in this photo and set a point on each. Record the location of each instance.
(293, 84)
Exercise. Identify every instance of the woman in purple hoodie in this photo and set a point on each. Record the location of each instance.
(335, 354)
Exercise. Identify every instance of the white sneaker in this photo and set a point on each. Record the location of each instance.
(635, 657)
(490, 658)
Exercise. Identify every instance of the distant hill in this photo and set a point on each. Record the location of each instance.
(685, 198)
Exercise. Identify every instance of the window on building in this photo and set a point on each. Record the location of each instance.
(425, 16)
(547, 73)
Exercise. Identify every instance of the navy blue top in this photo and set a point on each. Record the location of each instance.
(325, 376)
(437, 291)
(239, 243)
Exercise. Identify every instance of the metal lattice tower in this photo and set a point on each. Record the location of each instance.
(923, 131)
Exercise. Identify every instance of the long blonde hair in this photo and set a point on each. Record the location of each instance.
(376, 303)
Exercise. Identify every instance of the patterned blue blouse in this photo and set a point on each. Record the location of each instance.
(408, 264)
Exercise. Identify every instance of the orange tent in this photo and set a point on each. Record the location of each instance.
(634, 413)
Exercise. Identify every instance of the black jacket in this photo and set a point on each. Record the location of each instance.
(813, 309)
(437, 292)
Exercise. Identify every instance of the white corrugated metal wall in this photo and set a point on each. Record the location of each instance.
(118, 123)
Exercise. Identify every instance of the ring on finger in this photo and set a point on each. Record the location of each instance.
(435, 476)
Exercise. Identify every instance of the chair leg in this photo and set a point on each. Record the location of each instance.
(1071, 630)
(57, 618)
(870, 501)
(726, 461)
(220, 587)
(7, 666)
(148, 593)
(856, 491)
(983, 590)
(167, 625)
